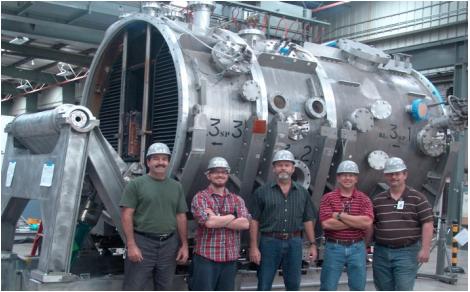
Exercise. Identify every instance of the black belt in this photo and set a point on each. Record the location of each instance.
(282, 235)
(155, 236)
(396, 246)
(344, 241)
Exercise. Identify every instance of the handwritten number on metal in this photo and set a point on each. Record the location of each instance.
(237, 126)
(215, 131)
(394, 133)
(304, 156)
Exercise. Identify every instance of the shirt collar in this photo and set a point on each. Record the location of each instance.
(294, 184)
(403, 195)
(355, 192)
(210, 191)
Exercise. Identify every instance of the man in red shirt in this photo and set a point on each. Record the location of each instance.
(220, 215)
(345, 215)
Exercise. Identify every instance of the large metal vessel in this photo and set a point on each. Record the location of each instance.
(207, 91)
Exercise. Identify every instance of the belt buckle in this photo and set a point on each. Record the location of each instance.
(163, 237)
(285, 236)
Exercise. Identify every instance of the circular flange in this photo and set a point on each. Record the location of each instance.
(301, 174)
(381, 109)
(315, 108)
(431, 141)
(376, 159)
(278, 103)
(362, 119)
(251, 91)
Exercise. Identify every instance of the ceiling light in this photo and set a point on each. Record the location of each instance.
(19, 40)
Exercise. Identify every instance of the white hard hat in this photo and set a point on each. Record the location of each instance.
(158, 148)
(217, 162)
(394, 164)
(347, 166)
(283, 155)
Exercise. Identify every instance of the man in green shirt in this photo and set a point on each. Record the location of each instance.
(153, 208)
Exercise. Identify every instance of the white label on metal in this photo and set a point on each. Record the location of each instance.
(47, 174)
(462, 237)
(10, 173)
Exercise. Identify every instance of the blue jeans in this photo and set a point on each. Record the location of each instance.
(276, 252)
(207, 275)
(395, 269)
(336, 257)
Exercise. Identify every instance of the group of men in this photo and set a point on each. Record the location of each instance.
(282, 214)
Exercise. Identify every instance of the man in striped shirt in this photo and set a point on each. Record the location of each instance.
(403, 217)
(345, 215)
(220, 215)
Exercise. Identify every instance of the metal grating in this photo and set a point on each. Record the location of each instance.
(165, 99)
(109, 111)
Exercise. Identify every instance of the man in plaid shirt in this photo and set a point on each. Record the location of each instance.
(220, 215)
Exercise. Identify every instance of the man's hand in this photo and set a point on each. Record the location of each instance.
(182, 255)
(312, 253)
(255, 255)
(423, 255)
(134, 254)
(209, 212)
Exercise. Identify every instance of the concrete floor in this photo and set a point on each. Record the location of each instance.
(311, 281)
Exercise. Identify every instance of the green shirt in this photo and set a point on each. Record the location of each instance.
(156, 203)
(276, 213)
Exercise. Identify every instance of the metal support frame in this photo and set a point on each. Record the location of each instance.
(197, 151)
(454, 210)
(53, 139)
(253, 146)
(59, 199)
(441, 245)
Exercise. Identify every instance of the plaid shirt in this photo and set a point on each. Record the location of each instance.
(217, 244)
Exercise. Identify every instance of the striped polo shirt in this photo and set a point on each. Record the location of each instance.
(358, 204)
(276, 213)
(399, 224)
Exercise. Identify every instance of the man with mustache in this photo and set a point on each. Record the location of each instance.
(345, 215)
(220, 215)
(403, 230)
(282, 211)
(153, 209)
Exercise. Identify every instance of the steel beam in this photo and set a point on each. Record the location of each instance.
(33, 28)
(271, 12)
(28, 74)
(437, 54)
(108, 8)
(48, 54)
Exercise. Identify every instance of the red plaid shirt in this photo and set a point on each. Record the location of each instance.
(217, 244)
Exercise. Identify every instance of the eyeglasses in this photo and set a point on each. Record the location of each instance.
(218, 172)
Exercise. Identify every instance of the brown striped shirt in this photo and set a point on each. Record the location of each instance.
(394, 227)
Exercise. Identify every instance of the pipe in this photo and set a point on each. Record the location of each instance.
(324, 7)
(202, 11)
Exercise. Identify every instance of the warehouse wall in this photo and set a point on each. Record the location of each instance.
(394, 24)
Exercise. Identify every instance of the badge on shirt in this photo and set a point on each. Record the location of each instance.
(400, 205)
